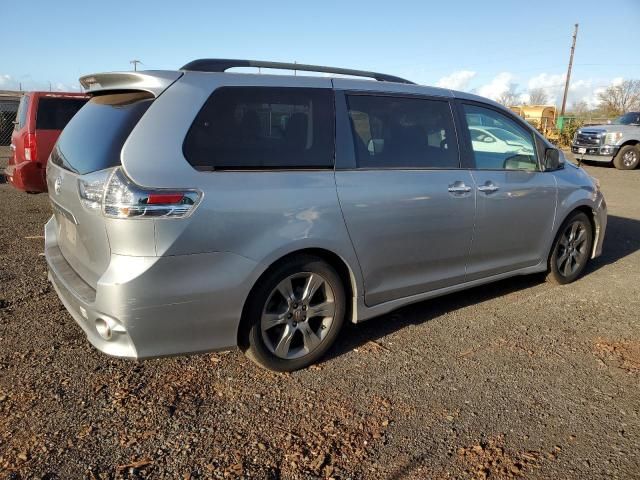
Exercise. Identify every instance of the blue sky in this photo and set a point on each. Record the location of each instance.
(464, 44)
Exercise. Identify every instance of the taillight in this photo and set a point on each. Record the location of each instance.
(118, 197)
(30, 147)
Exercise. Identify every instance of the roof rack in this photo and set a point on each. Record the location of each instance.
(222, 64)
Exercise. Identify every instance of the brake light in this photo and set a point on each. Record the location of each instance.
(30, 147)
(164, 198)
(118, 197)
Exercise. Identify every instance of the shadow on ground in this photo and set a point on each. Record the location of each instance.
(622, 238)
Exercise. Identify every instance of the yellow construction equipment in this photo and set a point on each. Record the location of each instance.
(542, 117)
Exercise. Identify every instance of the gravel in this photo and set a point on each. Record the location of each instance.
(515, 379)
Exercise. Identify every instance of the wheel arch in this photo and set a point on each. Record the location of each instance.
(342, 267)
(591, 215)
(630, 142)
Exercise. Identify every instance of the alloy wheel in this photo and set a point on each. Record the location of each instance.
(572, 249)
(298, 315)
(630, 158)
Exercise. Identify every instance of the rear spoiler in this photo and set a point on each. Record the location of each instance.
(152, 81)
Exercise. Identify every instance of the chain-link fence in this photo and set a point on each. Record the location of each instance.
(8, 111)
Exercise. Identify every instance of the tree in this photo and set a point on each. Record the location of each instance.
(579, 108)
(620, 98)
(538, 96)
(510, 96)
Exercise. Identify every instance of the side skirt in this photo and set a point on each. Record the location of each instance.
(365, 312)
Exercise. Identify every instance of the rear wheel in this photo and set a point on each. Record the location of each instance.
(294, 315)
(571, 249)
(628, 158)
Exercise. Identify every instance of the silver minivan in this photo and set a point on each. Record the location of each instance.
(196, 210)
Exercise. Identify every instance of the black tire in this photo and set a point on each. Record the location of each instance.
(569, 256)
(628, 158)
(258, 345)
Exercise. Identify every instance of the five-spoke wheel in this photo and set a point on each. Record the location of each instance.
(294, 314)
(571, 249)
(298, 315)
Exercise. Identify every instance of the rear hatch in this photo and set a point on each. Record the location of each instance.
(87, 150)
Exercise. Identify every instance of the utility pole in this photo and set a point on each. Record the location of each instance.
(566, 85)
(135, 64)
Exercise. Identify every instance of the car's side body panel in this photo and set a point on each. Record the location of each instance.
(512, 224)
(410, 234)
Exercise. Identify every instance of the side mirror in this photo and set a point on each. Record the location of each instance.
(552, 160)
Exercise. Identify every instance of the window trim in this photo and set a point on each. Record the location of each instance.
(25, 98)
(345, 146)
(470, 154)
(213, 169)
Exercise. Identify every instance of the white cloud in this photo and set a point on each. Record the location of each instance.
(580, 90)
(551, 83)
(4, 80)
(497, 86)
(457, 80)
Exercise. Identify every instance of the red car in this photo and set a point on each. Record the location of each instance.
(40, 120)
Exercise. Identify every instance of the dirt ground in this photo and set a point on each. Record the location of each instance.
(519, 379)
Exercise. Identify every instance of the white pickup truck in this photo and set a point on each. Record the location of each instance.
(618, 141)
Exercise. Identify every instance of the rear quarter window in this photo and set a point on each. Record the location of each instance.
(263, 128)
(22, 111)
(55, 113)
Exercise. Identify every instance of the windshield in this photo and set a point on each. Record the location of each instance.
(628, 119)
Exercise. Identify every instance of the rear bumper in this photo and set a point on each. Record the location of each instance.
(158, 306)
(27, 176)
(596, 153)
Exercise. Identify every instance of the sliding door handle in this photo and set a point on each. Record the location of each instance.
(488, 188)
(459, 187)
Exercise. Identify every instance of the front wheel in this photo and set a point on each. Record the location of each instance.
(571, 249)
(628, 158)
(294, 315)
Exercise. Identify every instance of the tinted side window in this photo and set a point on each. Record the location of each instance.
(498, 142)
(393, 132)
(22, 111)
(263, 127)
(55, 113)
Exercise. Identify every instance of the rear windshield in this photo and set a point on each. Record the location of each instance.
(94, 137)
(55, 113)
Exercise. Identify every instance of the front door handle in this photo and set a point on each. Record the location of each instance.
(488, 188)
(459, 187)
